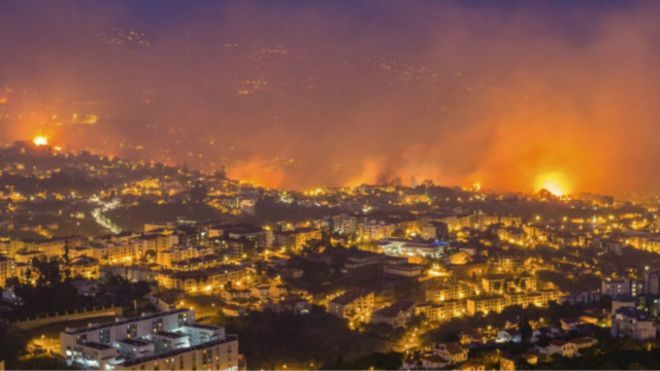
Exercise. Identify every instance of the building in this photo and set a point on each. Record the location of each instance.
(494, 284)
(395, 315)
(84, 267)
(167, 257)
(508, 336)
(296, 240)
(442, 311)
(643, 241)
(401, 268)
(429, 361)
(632, 323)
(506, 264)
(652, 281)
(450, 290)
(358, 260)
(452, 352)
(7, 269)
(485, 304)
(537, 298)
(614, 287)
(564, 348)
(158, 241)
(408, 248)
(568, 348)
(344, 224)
(584, 342)
(200, 280)
(115, 253)
(373, 231)
(255, 239)
(507, 364)
(352, 305)
(168, 340)
(569, 324)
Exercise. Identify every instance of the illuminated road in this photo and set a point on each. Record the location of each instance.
(103, 220)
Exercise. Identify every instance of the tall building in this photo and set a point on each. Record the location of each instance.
(652, 282)
(7, 269)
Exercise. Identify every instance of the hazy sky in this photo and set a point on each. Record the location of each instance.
(307, 93)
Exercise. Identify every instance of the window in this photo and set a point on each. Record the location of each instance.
(104, 336)
(131, 330)
(157, 325)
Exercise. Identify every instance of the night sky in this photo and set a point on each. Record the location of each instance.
(299, 94)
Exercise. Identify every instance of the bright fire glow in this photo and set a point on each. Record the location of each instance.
(40, 140)
(555, 183)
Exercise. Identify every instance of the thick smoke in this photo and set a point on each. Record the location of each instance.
(301, 94)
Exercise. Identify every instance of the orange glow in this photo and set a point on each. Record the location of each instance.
(555, 183)
(40, 140)
(258, 172)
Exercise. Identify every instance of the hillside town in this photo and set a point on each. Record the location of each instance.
(136, 265)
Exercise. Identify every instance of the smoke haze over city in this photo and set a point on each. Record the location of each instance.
(300, 94)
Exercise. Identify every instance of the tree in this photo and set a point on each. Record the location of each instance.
(525, 330)
(67, 263)
(11, 344)
(48, 271)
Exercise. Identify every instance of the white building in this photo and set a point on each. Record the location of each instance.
(168, 340)
(344, 224)
(631, 323)
(408, 248)
(614, 288)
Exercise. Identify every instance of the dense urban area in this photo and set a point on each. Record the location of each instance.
(115, 264)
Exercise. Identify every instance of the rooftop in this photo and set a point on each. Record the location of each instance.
(124, 321)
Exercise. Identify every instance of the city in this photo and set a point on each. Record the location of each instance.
(401, 276)
(160, 217)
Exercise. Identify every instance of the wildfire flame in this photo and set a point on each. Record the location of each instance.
(555, 183)
(40, 140)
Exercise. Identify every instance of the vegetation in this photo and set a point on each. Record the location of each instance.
(609, 354)
(379, 361)
(516, 313)
(51, 293)
(271, 340)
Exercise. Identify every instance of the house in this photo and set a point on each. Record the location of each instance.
(632, 323)
(564, 348)
(507, 364)
(531, 358)
(452, 352)
(395, 315)
(472, 366)
(584, 342)
(85, 287)
(570, 323)
(430, 361)
(539, 333)
(471, 337)
(400, 267)
(352, 304)
(291, 303)
(509, 336)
